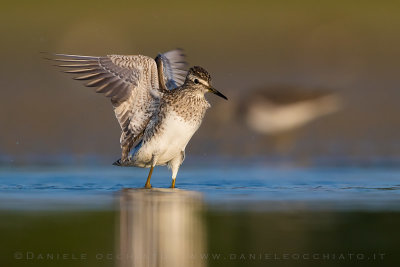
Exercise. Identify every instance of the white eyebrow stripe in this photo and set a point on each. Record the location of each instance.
(203, 82)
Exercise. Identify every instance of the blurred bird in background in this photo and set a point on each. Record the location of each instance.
(278, 110)
(276, 115)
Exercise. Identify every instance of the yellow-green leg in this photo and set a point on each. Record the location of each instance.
(173, 183)
(148, 185)
(175, 163)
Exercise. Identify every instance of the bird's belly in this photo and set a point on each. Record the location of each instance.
(174, 135)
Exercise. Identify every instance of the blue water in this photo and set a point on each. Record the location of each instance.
(228, 186)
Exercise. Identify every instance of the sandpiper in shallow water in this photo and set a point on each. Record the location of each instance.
(157, 108)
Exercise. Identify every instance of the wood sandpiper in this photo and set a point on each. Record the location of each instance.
(158, 104)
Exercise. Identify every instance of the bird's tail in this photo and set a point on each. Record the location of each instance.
(118, 163)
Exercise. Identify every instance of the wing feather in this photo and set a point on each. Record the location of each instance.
(130, 81)
(171, 69)
(88, 70)
(90, 76)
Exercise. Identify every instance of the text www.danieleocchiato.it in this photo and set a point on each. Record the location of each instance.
(106, 256)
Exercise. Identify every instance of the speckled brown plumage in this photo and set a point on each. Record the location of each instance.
(158, 105)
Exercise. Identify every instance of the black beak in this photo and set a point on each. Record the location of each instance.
(215, 91)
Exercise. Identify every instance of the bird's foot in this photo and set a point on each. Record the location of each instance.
(173, 184)
(147, 186)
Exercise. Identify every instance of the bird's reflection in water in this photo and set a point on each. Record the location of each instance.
(161, 227)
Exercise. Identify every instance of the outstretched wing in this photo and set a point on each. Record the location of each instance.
(171, 69)
(130, 81)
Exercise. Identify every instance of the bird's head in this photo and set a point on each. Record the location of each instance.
(200, 79)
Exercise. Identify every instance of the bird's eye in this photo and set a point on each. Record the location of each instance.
(196, 81)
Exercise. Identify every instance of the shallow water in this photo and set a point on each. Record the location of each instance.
(253, 215)
(343, 188)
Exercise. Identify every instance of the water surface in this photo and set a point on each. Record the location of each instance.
(329, 187)
(254, 215)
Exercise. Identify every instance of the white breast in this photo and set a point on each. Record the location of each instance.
(173, 137)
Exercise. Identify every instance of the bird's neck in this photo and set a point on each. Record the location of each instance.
(187, 101)
(189, 91)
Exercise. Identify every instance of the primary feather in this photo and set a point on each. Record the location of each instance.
(135, 85)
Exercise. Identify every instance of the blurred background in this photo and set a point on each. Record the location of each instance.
(329, 69)
(303, 159)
